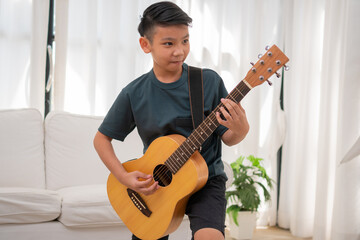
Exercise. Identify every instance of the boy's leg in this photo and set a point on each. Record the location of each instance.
(208, 234)
(136, 238)
(206, 210)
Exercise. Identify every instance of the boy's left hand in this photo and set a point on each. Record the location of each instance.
(235, 121)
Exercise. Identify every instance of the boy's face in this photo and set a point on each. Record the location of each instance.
(169, 47)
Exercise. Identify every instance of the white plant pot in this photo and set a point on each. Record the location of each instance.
(247, 224)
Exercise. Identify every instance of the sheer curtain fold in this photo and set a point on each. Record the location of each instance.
(23, 37)
(97, 53)
(321, 120)
(303, 44)
(346, 208)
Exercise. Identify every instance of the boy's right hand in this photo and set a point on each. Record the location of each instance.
(134, 181)
(137, 181)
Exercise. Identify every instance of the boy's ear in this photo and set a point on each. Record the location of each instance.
(145, 44)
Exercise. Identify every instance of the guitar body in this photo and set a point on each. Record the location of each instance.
(168, 203)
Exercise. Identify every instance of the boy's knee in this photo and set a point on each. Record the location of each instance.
(208, 234)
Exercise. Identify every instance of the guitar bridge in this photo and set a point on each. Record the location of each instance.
(139, 202)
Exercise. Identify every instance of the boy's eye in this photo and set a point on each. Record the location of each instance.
(168, 43)
(186, 41)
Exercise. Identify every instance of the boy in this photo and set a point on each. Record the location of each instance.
(157, 103)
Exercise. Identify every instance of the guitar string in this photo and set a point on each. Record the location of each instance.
(162, 173)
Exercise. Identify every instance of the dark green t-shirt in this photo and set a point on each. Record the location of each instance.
(158, 109)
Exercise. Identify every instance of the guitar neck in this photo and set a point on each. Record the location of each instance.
(203, 131)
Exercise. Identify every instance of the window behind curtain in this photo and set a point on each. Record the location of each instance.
(23, 29)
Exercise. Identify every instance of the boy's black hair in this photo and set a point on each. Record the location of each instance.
(161, 14)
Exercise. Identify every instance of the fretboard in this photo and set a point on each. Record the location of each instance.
(202, 132)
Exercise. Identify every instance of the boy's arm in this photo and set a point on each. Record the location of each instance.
(236, 122)
(105, 150)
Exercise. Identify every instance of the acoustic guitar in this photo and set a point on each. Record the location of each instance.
(175, 162)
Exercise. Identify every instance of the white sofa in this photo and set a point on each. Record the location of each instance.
(52, 182)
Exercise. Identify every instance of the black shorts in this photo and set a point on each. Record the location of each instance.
(206, 208)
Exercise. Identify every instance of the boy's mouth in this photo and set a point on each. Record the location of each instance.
(177, 62)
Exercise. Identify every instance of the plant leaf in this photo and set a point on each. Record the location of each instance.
(233, 212)
(248, 186)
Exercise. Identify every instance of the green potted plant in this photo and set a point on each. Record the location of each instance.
(251, 184)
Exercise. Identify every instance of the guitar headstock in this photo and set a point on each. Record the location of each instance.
(266, 66)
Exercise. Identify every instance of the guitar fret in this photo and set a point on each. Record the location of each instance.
(185, 157)
(180, 157)
(239, 91)
(230, 96)
(210, 124)
(201, 133)
(206, 125)
(208, 129)
(173, 162)
(176, 163)
(168, 164)
(183, 154)
(214, 124)
(199, 143)
(186, 148)
(193, 146)
(245, 89)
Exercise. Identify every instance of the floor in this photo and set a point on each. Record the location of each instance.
(273, 233)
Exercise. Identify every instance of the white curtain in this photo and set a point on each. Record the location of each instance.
(23, 35)
(97, 54)
(319, 196)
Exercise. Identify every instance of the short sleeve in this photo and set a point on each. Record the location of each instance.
(119, 121)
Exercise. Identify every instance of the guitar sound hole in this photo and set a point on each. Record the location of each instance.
(162, 175)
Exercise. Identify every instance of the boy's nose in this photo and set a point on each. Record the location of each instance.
(178, 51)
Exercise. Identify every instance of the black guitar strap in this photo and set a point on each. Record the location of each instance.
(196, 95)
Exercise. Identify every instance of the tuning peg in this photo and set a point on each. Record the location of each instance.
(267, 47)
(270, 83)
(286, 67)
(278, 74)
(260, 55)
(252, 64)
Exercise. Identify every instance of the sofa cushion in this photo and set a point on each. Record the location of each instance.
(28, 205)
(87, 206)
(21, 149)
(71, 159)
